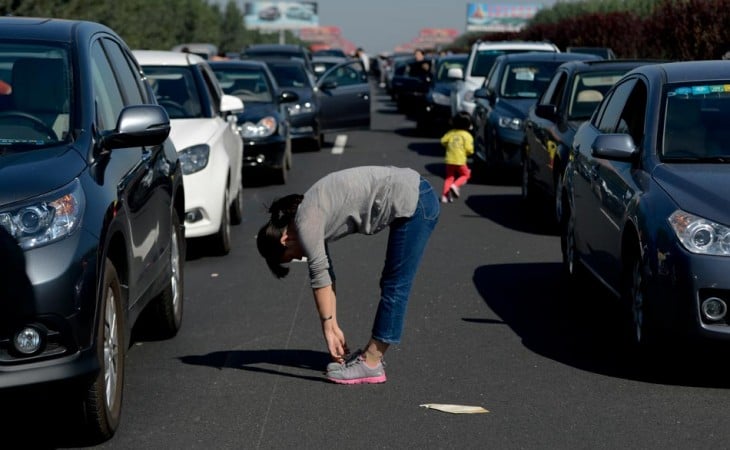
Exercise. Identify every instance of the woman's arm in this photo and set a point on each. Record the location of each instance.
(326, 302)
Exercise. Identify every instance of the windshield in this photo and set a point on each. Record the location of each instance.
(526, 79)
(175, 90)
(35, 96)
(484, 60)
(442, 70)
(695, 122)
(588, 90)
(250, 85)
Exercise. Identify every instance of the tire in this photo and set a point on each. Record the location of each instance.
(222, 238)
(641, 331)
(527, 190)
(237, 205)
(167, 309)
(571, 264)
(102, 403)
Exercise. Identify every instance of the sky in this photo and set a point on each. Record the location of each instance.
(380, 25)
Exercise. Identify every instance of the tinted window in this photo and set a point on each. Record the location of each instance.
(107, 96)
(614, 107)
(587, 91)
(250, 85)
(127, 76)
(175, 90)
(526, 79)
(290, 75)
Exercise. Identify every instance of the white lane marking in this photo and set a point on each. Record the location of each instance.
(340, 142)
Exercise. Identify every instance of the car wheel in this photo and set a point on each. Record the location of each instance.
(168, 307)
(567, 243)
(222, 238)
(102, 404)
(237, 205)
(641, 331)
(528, 194)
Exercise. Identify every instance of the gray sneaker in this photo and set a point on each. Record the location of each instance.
(349, 358)
(357, 372)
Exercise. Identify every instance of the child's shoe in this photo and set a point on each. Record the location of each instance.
(445, 199)
(357, 372)
(454, 189)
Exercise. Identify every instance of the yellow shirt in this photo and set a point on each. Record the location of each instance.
(459, 145)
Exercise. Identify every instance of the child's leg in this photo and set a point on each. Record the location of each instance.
(449, 180)
(464, 173)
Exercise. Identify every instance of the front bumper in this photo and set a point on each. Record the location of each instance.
(265, 152)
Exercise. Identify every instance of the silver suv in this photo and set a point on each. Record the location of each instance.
(481, 59)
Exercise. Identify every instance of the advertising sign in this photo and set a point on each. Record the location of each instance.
(280, 15)
(496, 17)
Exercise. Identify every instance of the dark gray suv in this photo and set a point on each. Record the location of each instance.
(91, 192)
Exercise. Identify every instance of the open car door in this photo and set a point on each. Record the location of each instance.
(344, 93)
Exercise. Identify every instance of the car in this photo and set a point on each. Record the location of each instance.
(299, 12)
(569, 100)
(410, 83)
(603, 52)
(264, 123)
(511, 88)
(435, 112)
(645, 204)
(92, 193)
(481, 59)
(339, 100)
(268, 51)
(270, 13)
(205, 134)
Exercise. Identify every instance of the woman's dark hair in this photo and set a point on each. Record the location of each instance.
(268, 239)
(461, 121)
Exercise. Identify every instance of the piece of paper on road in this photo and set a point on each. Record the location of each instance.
(455, 409)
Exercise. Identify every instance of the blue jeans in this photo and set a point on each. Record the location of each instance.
(406, 243)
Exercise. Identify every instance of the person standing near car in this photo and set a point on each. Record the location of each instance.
(459, 144)
(363, 200)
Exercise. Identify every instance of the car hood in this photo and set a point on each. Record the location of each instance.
(28, 174)
(187, 132)
(515, 107)
(305, 94)
(253, 112)
(699, 189)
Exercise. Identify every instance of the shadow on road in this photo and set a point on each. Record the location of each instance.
(510, 212)
(265, 361)
(585, 330)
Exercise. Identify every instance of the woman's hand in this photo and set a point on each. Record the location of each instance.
(335, 338)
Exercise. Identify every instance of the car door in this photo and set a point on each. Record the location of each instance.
(542, 133)
(600, 193)
(131, 171)
(344, 94)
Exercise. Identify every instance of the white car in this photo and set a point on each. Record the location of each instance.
(481, 60)
(205, 134)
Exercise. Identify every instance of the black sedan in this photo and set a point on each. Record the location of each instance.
(436, 110)
(339, 100)
(264, 122)
(91, 190)
(513, 85)
(569, 100)
(646, 207)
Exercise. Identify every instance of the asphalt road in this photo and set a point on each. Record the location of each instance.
(490, 323)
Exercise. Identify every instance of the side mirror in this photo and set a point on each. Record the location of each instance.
(288, 97)
(619, 147)
(549, 112)
(327, 85)
(230, 103)
(481, 93)
(138, 126)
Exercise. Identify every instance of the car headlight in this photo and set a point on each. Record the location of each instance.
(510, 122)
(699, 235)
(45, 219)
(194, 159)
(301, 108)
(441, 99)
(265, 127)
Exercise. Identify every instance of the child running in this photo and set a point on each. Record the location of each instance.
(459, 145)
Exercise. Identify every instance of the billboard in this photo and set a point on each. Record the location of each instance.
(280, 15)
(499, 17)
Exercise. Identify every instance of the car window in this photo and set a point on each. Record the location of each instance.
(127, 77)
(485, 59)
(213, 87)
(632, 116)
(695, 121)
(248, 85)
(554, 92)
(290, 75)
(587, 91)
(347, 75)
(611, 112)
(35, 95)
(442, 71)
(526, 79)
(107, 96)
(175, 90)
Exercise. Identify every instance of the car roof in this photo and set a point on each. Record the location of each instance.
(166, 58)
(546, 56)
(688, 71)
(516, 45)
(329, 58)
(248, 63)
(604, 64)
(293, 48)
(44, 28)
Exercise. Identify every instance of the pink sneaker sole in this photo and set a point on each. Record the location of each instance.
(366, 380)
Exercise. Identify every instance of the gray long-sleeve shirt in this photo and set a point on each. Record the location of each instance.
(358, 200)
